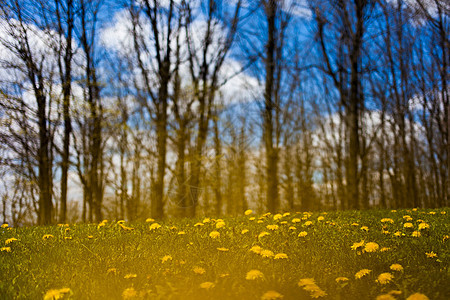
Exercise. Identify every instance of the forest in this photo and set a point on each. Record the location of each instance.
(132, 109)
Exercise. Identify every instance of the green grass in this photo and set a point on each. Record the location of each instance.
(35, 265)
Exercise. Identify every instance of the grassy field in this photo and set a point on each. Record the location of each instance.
(376, 254)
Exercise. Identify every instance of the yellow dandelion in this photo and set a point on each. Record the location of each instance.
(120, 221)
(47, 236)
(271, 295)
(277, 216)
(166, 258)
(371, 247)
(263, 234)
(385, 232)
(385, 297)
(207, 285)
(223, 249)
(416, 234)
(129, 293)
(56, 294)
(220, 224)
(5, 249)
(432, 213)
(67, 237)
(395, 292)
(292, 228)
(206, 220)
(9, 241)
(5, 225)
(256, 249)
(130, 276)
(430, 254)
(445, 237)
(417, 296)
(296, 220)
(272, 227)
(244, 231)
(365, 228)
(355, 224)
(302, 234)
(385, 278)
(125, 227)
(306, 281)
(321, 218)
(181, 233)
(149, 220)
(286, 214)
(260, 221)
(252, 218)
(155, 226)
(307, 223)
(341, 279)
(281, 256)
(199, 270)
(356, 246)
(396, 267)
(362, 273)
(443, 212)
(423, 226)
(248, 212)
(387, 220)
(398, 233)
(90, 236)
(214, 234)
(318, 294)
(198, 224)
(408, 225)
(266, 253)
(254, 275)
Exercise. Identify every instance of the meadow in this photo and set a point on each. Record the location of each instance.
(373, 254)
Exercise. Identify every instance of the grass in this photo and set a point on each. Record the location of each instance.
(113, 261)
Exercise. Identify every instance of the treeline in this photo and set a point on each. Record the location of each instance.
(130, 109)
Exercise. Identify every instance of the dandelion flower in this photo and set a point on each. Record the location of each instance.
(296, 220)
(5, 225)
(286, 214)
(362, 273)
(306, 281)
(223, 249)
(166, 258)
(355, 224)
(292, 228)
(272, 227)
(302, 234)
(149, 220)
(47, 236)
(155, 226)
(423, 226)
(385, 278)
(130, 276)
(220, 224)
(385, 297)
(206, 220)
(5, 249)
(341, 279)
(254, 274)
(384, 249)
(356, 246)
(256, 249)
(248, 212)
(430, 254)
(396, 267)
(371, 247)
(271, 295)
(181, 232)
(398, 234)
(266, 253)
(415, 234)
(199, 270)
(198, 224)
(307, 223)
(214, 234)
(263, 234)
(129, 293)
(90, 237)
(321, 218)
(252, 218)
(55, 294)
(8, 241)
(244, 231)
(408, 225)
(417, 296)
(277, 216)
(365, 228)
(207, 285)
(120, 222)
(318, 293)
(281, 256)
(387, 220)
